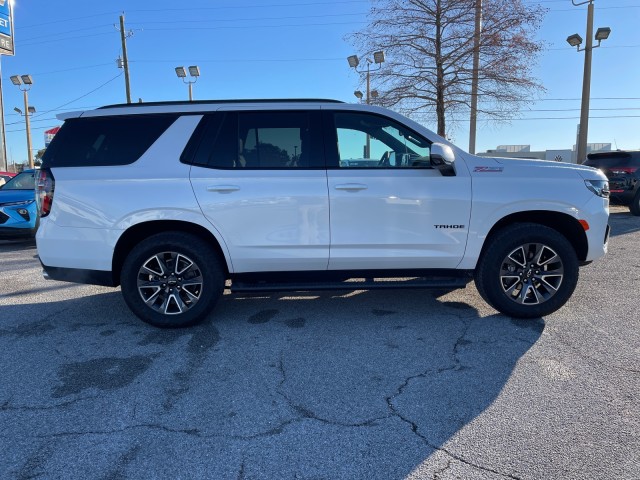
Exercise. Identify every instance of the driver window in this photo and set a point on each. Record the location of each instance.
(372, 141)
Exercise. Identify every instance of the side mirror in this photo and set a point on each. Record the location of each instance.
(441, 155)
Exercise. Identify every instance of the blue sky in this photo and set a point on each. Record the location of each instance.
(292, 48)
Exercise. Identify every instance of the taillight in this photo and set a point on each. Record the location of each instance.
(44, 191)
(623, 170)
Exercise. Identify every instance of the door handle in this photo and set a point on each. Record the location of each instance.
(351, 187)
(223, 188)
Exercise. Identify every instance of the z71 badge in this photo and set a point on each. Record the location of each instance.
(488, 169)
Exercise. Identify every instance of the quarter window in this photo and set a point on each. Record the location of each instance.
(104, 141)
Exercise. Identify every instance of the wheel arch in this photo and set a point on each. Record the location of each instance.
(563, 223)
(137, 233)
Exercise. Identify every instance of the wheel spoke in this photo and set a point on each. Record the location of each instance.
(521, 252)
(159, 267)
(176, 301)
(181, 259)
(553, 257)
(525, 297)
(153, 296)
(187, 287)
(545, 280)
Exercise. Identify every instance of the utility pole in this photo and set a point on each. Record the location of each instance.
(123, 37)
(474, 78)
(4, 161)
(28, 126)
(586, 89)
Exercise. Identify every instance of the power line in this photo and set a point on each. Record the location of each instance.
(81, 96)
(297, 17)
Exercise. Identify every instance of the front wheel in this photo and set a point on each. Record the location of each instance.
(172, 279)
(527, 271)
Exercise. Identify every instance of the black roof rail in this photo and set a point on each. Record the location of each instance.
(226, 101)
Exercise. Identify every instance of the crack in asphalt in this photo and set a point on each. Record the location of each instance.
(6, 406)
(191, 432)
(414, 426)
(306, 413)
(437, 473)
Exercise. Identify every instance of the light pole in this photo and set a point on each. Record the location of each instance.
(24, 83)
(194, 72)
(378, 58)
(575, 40)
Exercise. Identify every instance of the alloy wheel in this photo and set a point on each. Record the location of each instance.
(531, 274)
(170, 283)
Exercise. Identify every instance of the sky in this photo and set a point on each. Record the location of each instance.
(293, 49)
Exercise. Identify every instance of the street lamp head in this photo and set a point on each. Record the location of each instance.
(18, 110)
(353, 61)
(574, 40)
(32, 110)
(358, 94)
(194, 71)
(16, 80)
(603, 33)
(26, 79)
(378, 57)
(181, 72)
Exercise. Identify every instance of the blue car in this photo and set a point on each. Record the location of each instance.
(18, 209)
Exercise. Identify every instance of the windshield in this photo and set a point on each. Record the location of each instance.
(22, 181)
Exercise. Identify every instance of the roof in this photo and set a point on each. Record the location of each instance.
(226, 101)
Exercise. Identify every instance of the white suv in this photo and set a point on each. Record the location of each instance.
(170, 200)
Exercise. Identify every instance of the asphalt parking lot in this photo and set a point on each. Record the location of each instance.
(341, 385)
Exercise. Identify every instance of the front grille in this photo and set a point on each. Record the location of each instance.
(3, 217)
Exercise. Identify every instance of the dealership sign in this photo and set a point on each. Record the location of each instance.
(6, 27)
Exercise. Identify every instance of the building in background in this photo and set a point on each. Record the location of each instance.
(559, 155)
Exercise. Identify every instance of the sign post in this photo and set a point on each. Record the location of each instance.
(6, 48)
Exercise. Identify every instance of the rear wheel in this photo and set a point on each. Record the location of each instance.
(527, 271)
(172, 279)
(634, 206)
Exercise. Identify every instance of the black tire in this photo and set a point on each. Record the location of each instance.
(634, 206)
(172, 279)
(530, 289)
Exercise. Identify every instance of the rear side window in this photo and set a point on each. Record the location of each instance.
(104, 141)
(258, 140)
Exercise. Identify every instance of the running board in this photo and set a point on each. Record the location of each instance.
(352, 284)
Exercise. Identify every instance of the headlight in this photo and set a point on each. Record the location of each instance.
(13, 204)
(599, 187)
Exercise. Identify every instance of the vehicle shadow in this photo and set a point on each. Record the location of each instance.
(17, 245)
(372, 383)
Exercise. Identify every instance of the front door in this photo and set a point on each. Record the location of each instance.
(389, 208)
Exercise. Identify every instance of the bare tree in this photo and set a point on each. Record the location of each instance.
(429, 50)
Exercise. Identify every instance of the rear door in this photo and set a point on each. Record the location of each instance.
(389, 208)
(260, 179)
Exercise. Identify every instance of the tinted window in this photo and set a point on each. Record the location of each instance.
(262, 140)
(372, 141)
(103, 141)
(615, 159)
